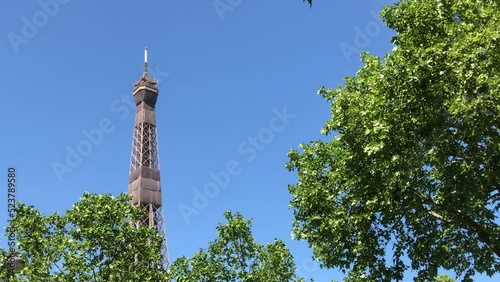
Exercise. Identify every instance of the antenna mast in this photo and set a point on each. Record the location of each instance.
(146, 59)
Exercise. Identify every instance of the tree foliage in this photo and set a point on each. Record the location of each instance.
(444, 278)
(234, 256)
(93, 241)
(413, 167)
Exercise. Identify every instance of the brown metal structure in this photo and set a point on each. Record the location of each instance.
(144, 180)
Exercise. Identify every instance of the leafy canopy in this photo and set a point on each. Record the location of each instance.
(413, 167)
(93, 241)
(234, 256)
(444, 278)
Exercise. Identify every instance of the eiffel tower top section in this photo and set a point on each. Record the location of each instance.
(146, 81)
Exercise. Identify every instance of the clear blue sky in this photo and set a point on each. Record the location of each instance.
(225, 76)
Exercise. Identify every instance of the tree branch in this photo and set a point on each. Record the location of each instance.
(466, 222)
(482, 234)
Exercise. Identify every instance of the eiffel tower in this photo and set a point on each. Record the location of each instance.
(144, 180)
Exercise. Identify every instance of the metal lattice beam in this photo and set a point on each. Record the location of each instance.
(145, 147)
(155, 219)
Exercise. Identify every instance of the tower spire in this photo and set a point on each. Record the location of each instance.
(144, 178)
(146, 80)
(146, 59)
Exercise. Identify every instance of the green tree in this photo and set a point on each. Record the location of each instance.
(92, 241)
(234, 256)
(444, 278)
(413, 166)
(360, 277)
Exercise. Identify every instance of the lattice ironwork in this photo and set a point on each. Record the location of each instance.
(155, 219)
(145, 154)
(145, 147)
